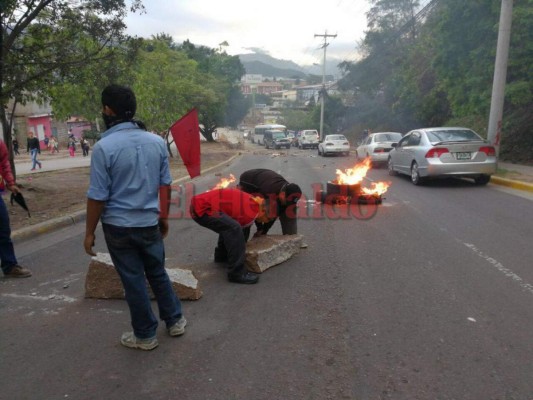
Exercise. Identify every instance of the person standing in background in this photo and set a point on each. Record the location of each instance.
(53, 145)
(72, 146)
(34, 148)
(16, 146)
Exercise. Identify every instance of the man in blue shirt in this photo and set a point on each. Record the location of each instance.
(129, 169)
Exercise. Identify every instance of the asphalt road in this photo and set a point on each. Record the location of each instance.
(429, 299)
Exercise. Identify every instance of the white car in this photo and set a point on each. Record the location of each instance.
(334, 144)
(308, 138)
(377, 146)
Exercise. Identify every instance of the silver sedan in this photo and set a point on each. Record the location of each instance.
(443, 152)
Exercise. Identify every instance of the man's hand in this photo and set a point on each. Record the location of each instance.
(88, 243)
(14, 189)
(163, 227)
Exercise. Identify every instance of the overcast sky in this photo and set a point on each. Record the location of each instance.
(284, 29)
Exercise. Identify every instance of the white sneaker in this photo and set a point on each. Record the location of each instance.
(129, 339)
(178, 328)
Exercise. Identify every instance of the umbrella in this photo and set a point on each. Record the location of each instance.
(18, 198)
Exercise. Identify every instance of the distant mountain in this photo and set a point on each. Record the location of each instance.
(271, 67)
(263, 64)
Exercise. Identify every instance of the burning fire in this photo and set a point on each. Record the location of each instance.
(225, 182)
(377, 188)
(354, 176)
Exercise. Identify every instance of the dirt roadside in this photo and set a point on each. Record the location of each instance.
(58, 193)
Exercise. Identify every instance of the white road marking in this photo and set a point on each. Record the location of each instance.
(42, 298)
(500, 267)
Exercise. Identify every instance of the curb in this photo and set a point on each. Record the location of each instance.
(48, 226)
(528, 187)
(79, 216)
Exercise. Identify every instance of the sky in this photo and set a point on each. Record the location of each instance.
(284, 29)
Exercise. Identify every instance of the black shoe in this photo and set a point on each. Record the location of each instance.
(246, 277)
(220, 256)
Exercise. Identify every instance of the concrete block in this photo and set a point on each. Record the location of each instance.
(266, 251)
(103, 282)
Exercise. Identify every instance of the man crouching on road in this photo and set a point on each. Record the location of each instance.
(227, 212)
(129, 167)
(273, 187)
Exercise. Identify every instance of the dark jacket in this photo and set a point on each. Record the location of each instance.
(33, 143)
(262, 181)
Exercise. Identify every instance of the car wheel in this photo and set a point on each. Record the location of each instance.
(390, 166)
(415, 174)
(482, 180)
(319, 153)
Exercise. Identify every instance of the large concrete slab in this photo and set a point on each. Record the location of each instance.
(102, 281)
(270, 250)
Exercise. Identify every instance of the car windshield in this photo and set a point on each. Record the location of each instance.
(336, 137)
(278, 135)
(387, 137)
(311, 134)
(453, 135)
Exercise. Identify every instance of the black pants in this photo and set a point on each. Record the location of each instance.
(230, 238)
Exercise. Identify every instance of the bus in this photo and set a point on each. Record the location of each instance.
(260, 130)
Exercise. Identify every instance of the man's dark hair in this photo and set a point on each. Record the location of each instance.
(293, 192)
(121, 100)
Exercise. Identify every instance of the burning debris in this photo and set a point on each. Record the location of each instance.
(347, 187)
(224, 182)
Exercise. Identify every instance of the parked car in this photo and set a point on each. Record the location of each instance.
(443, 152)
(334, 144)
(377, 146)
(308, 138)
(276, 139)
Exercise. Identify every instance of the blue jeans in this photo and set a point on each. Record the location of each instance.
(34, 161)
(7, 252)
(139, 254)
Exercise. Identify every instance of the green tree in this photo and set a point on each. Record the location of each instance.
(222, 74)
(167, 84)
(43, 38)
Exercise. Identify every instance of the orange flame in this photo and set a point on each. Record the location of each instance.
(377, 188)
(225, 182)
(353, 176)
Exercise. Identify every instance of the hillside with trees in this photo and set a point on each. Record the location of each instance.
(437, 69)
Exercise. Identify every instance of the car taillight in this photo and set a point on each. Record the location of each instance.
(379, 150)
(346, 144)
(488, 150)
(436, 152)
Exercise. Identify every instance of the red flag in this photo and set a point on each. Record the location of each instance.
(186, 134)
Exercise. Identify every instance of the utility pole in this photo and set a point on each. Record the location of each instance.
(500, 75)
(323, 91)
